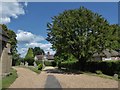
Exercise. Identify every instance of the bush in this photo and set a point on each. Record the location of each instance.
(40, 66)
(30, 61)
(38, 62)
(105, 67)
(48, 63)
(53, 63)
(98, 72)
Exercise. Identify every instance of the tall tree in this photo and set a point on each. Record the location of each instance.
(29, 53)
(80, 32)
(38, 51)
(29, 56)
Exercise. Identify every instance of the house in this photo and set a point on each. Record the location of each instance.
(47, 57)
(5, 54)
(106, 55)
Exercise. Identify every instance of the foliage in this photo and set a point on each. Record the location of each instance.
(38, 62)
(106, 67)
(81, 33)
(47, 63)
(29, 57)
(40, 66)
(8, 80)
(38, 51)
(53, 63)
(29, 53)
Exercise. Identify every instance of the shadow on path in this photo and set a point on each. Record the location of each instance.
(52, 82)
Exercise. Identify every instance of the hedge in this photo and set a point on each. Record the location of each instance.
(107, 67)
(48, 63)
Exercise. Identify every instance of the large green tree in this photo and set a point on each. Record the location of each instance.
(38, 51)
(80, 32)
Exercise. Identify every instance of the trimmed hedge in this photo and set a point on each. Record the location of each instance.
(106, 67)
(48, 63)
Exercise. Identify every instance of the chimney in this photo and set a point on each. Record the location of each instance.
(48, 53)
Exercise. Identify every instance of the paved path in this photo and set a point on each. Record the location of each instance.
(28, 79)
(53, 78)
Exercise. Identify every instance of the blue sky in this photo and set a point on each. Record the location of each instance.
(32, 22)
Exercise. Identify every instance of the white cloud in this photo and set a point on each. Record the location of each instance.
(24, 36)
(28, 39)
(26, 3)
(45, 46)
(10, 10)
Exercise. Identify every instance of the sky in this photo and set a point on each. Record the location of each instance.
(29, 20)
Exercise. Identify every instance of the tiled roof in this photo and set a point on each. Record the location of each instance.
(50, 57)
(40, 57)
(107, 53)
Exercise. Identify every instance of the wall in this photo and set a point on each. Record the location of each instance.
(5, 60)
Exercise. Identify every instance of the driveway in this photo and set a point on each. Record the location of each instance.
(51, 77)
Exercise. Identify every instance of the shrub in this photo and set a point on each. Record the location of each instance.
(30, 61)
(98, 72)
(105, 67)
(53, 63)
(38, 62)
(40, 66)
(48, 63)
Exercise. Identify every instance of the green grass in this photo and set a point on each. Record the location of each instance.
(34, 69)
(8, 80)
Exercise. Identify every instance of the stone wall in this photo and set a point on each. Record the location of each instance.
(5, 60)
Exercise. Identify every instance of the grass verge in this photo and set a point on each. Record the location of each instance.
(8, 80)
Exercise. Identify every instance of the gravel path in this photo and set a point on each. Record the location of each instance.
(50, 76)
(28, 79)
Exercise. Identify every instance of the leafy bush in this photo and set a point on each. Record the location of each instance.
(106, 67)
(48, 63)
(38, 62)
(98, 72)
(30, 61)
(53, 63)
(40, 66)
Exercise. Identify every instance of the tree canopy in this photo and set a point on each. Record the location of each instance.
(82, 33)
(29, 53)
(38, 51)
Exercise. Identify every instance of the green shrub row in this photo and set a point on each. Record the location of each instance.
(106, 67)
(48, 63)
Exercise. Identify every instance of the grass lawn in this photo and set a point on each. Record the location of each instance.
(8, 80)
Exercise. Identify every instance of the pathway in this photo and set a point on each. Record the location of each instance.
(53, 78)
